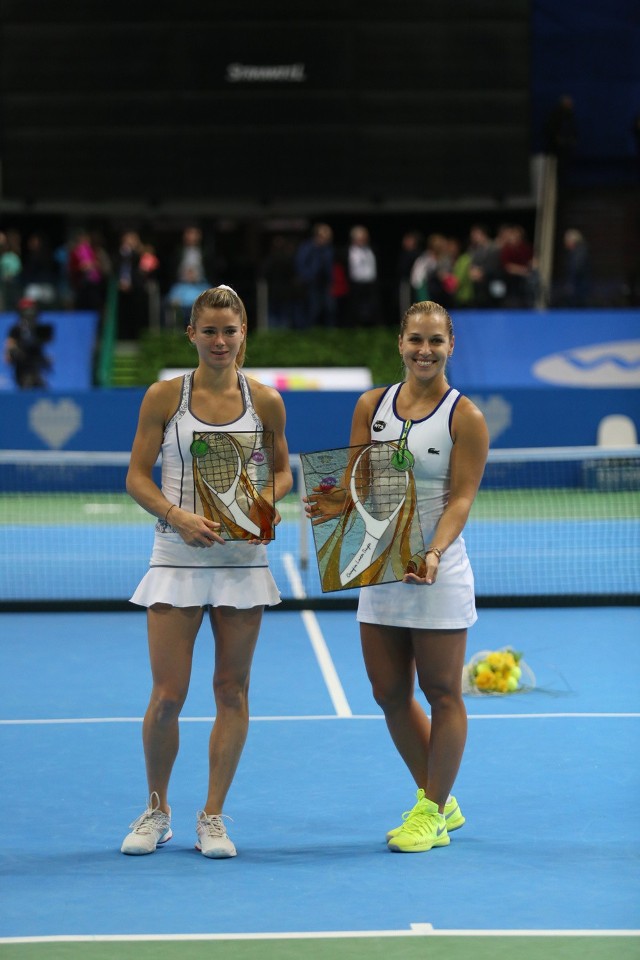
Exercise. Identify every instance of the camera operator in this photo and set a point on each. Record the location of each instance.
(24, 346)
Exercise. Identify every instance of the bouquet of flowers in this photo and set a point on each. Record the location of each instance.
(497, 672)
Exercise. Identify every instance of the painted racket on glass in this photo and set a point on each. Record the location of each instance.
(365, 521)
(233, 477)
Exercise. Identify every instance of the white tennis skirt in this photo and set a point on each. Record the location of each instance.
(233, 575)
(447, 604)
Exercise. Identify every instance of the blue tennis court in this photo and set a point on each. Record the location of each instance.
(549, 787)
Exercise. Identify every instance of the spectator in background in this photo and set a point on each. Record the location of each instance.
(10, 270)
(423, 266)
(149, 262)
(149, 267)
(194, 258)
(283, 288)
(516, 257)
(460, 278)
(86, 271)
(24, 347)
(133, 307)
(362, 264)
(484, 266)
(39, 271)
(576, 269)
(181, 296)
(340, 288)
(411, 246)
(64, 292)
(314, 261)
(432, 276)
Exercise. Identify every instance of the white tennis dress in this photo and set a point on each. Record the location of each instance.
(235, 574)
(449, 603)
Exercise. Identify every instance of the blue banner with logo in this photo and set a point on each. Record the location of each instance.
(588, 349)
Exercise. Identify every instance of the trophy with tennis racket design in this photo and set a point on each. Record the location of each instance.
(364, 514)
(234, 480)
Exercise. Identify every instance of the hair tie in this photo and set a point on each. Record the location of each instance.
(224, 286)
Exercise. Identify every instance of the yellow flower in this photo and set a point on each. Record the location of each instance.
(485, 680)
(482, 667)
(496, 660)
(498, 672)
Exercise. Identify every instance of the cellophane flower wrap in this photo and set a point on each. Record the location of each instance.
(497, 672)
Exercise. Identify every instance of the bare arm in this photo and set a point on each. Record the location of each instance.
(468, 458)
(271, 410)
(157, 406)
(363, 415)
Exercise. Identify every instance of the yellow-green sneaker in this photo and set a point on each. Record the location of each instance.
(452, 815)
(425, 828)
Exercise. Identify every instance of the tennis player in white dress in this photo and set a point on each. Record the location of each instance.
(193, 568)
(418, 627)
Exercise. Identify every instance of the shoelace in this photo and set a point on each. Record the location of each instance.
(415, 808)
(150, 820)
(419, 822)
(213, 824)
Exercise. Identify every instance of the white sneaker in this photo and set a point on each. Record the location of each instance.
(212, 836)
(152, 828)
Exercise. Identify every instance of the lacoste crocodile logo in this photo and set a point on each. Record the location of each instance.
(433, 450)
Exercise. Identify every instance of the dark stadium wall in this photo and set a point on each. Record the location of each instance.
(590, 51)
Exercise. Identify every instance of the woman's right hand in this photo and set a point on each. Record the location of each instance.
(325, 504)
(196, 531)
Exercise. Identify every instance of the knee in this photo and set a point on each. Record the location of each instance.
(441, 697)
(231, 694)
(166, 706)
(390, 697)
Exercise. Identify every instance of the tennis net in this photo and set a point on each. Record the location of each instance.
(557, 525)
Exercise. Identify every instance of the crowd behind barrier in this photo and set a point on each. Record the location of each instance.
(308, 278)
(296, 280)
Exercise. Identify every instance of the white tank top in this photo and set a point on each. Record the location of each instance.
(178, 483)
(430, 442)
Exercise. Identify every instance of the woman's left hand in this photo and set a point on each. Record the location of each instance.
(425, 573)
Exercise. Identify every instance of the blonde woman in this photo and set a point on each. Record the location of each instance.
(194, 569)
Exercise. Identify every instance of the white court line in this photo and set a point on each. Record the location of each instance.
(327, 668)
(31, 721)
(415, 930)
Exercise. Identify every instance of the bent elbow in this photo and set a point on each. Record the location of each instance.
(130, 484)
